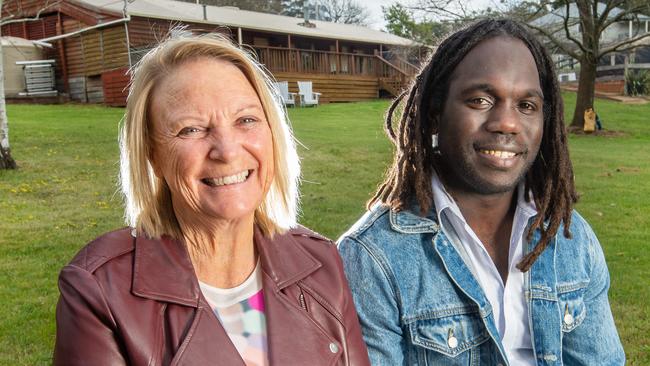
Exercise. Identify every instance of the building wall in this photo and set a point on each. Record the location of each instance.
(14, 76)
(46, 26)
(93, 52)
(335, 88)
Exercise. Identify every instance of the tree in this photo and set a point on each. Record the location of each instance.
(6, 161)
(343, 11)
(16, 14)
(577, 30)
(262, 6)
(593, 19)
(401, 22)
(336, 11)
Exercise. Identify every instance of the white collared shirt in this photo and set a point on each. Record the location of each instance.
(508, 302)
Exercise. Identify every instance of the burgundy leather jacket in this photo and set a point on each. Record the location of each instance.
(137, 301)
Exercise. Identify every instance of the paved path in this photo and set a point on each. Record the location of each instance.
(612, 96)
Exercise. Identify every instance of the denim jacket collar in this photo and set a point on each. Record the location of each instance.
(408, 221)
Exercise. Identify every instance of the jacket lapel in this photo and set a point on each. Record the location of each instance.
(291, 331)
(163, 271)
(206, 343)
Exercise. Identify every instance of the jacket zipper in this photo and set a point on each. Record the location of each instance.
(301, 299)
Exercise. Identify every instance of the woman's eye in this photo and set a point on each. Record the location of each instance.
(189, 131)
(247, 120)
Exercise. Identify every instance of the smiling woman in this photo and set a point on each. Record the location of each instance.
(213, 269)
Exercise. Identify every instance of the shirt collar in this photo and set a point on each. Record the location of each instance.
(443, 200)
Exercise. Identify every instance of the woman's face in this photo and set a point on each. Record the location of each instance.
(212, 143)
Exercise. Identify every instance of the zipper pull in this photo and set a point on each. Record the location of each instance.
(301, 299)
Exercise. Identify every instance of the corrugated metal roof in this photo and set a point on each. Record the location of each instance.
(232, 17)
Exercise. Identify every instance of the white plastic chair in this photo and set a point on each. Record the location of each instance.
(289, 99)
(307, 96)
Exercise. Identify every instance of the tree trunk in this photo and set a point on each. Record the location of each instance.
(6, 161)
(586, 89)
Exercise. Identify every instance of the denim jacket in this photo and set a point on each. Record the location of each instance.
(419, 303)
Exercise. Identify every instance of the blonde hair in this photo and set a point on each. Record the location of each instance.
(148, 205)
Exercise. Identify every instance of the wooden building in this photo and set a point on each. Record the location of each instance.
(96, 41)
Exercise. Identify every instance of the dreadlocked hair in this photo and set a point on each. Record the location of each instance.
(408, 180)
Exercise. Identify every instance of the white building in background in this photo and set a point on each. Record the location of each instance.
(624, 29)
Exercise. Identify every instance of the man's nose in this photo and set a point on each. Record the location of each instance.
(505, 119)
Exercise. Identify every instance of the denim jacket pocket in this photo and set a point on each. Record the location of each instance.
(450, 335)
(572, 306)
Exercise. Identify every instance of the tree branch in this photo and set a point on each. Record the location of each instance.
(556, 41)
(624, 14)
(566, 30)
(442, 8)
(623, 45)
(10, 20)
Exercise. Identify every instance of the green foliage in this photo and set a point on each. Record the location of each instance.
(401, 22)
(637, 82)
(63, 195)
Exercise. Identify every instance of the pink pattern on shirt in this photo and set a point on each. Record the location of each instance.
(257, 301)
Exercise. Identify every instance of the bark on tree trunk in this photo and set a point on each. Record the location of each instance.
(6, 161)
(586, 89)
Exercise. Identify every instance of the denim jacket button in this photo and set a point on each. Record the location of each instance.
(568, 319)
(334, 348)
(452, 342)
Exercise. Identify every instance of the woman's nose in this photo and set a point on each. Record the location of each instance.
(224, 145)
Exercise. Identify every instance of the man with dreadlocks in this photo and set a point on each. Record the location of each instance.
(471, 252)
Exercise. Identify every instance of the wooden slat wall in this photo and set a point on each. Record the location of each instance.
(94, 89)
(115, 83)
(335, 88)
(147, 32)
(115, 51)
(91, 43)
(73, 49)
(29, 8)
(22, 8)
(96, 51)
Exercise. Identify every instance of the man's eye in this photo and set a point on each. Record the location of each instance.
(480, 101)
(527, 106)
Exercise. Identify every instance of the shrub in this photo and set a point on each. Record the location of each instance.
(637, 82)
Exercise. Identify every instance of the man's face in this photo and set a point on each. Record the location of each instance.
(491, 125)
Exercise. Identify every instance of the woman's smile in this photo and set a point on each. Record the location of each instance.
(227, 180)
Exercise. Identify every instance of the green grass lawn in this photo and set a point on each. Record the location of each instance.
(64, 195)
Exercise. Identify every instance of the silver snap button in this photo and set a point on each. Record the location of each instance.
(334, 348)
(568, 319)
(452, 342)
